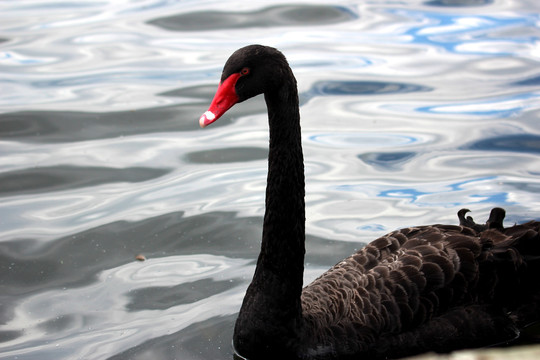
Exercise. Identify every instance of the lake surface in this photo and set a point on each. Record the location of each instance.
(411, 111)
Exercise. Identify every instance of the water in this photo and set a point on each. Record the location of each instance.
(410, 111)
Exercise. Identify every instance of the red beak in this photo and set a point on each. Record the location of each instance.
(224, 99)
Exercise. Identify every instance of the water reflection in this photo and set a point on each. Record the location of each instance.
(527, 143)
(287, 15)
(160, 298)
(56, 178)
(494, 107)
(362, 88)
(532, 81)
(227, 155)
(459, 3)
(458, 33)
(59, 313)
(177, 286)
(387, 161)
(68, 126)
(368, 141)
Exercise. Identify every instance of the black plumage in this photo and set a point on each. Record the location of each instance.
(426, 288)
(454, 287)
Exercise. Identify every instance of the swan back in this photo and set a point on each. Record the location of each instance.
(415, 289)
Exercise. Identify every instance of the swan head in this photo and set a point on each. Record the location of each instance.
(249, 71)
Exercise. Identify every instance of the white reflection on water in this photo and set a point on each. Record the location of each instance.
(368, 141)
(93, 319)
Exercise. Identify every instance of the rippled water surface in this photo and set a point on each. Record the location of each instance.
(410, 111)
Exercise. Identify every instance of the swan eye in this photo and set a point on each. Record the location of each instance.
(244, 71)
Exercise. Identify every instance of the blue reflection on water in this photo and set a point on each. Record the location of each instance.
(363, 88)
(410, 193)
(498, 107)
(452, 31)
(526, 143)
(444, 190)
(415, 195)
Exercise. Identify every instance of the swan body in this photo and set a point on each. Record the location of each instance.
(426, 288)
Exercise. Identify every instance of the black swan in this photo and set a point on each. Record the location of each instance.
(425, 288)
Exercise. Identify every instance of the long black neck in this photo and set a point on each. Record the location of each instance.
(271, 313)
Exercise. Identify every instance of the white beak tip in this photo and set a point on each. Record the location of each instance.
(206, 119)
